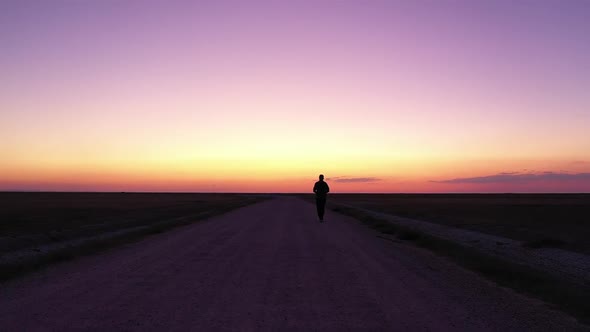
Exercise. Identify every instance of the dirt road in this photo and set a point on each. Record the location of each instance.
(269, 266)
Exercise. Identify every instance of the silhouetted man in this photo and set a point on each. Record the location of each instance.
(321, 190)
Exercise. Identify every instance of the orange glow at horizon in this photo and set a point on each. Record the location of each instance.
(280, 176)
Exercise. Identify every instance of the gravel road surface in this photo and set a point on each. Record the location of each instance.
(268, 267)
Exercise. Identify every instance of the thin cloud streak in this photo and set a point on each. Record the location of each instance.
(354, 180)
(515, 177)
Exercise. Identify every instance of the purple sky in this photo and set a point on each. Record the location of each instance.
(413, 93)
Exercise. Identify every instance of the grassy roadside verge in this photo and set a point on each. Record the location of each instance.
(535, 220)
(20, 262)
(559, 294)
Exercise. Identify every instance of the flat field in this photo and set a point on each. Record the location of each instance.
(539, 220)
(30, 219)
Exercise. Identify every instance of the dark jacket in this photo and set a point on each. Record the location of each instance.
(321, 189)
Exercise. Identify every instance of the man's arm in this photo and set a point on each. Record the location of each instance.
(327, 188)
(315, 188)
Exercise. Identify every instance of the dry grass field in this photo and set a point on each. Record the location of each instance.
(539, 220)
(36, 219)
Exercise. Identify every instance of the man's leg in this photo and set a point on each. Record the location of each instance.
(321, 208)
(318, 207)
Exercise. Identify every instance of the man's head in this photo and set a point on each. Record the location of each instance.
(321, 177)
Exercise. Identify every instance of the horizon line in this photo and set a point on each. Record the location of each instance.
(297, 193)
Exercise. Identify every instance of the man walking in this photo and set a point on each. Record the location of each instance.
(321, 190)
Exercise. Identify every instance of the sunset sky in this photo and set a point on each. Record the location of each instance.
(249, 96)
